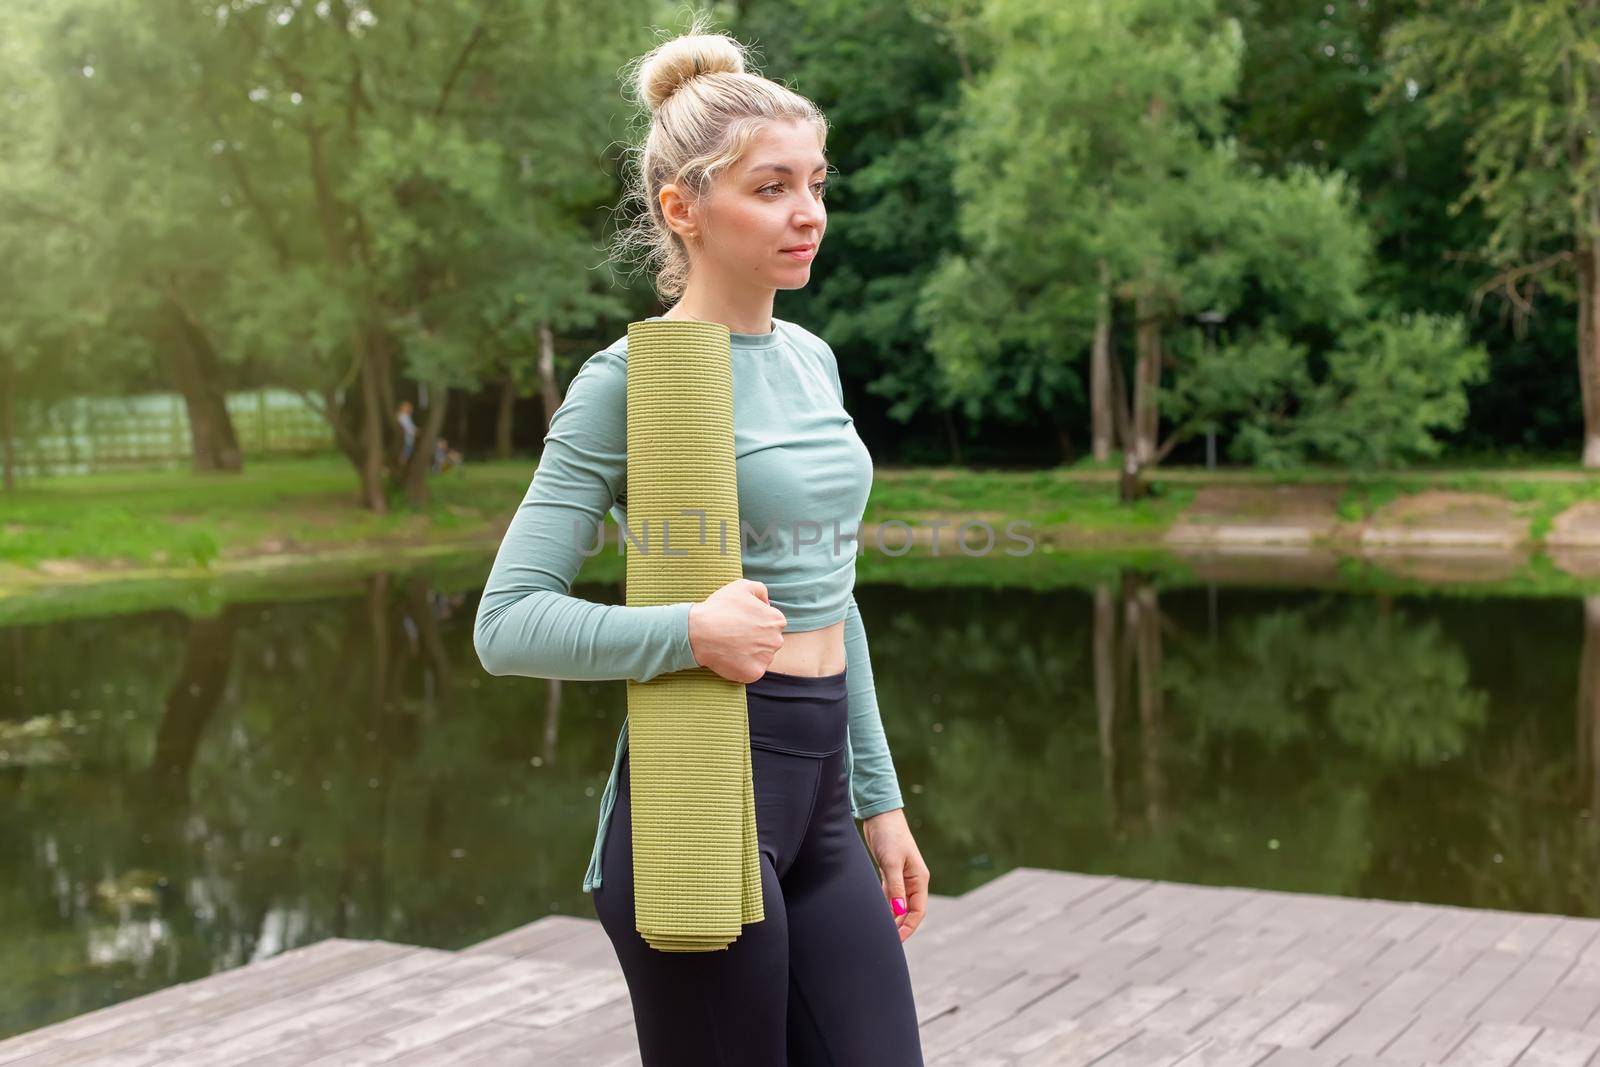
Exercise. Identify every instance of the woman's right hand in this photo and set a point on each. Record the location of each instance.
(736, 631)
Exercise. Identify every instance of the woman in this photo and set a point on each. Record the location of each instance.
(732, 174)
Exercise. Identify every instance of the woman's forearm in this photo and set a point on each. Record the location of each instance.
(874, 787)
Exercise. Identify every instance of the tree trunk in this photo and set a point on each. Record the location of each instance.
(1589, 345)
(1064, 442)
(372, 447)
(1589, 707)
(1152, 745)
(192, 702)
(417, 471)
(549, 392)
(8, 418)
(1100, 371)
(504, 417)
(1103, 645)
(953, 437)
(1129, 485)
(195, 371)
(1146, 379)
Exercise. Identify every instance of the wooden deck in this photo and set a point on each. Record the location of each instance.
(1034, 967)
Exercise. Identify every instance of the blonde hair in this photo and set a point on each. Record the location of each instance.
(705, 107)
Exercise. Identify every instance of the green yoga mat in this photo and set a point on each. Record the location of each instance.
(696, 864)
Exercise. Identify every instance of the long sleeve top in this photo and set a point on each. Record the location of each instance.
(803, 479)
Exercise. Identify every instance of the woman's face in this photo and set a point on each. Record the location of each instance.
(762, 206)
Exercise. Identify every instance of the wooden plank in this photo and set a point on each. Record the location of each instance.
(489, 1038)
(1026, 920)
(1305, 1024)
(1226, 1054)
(1429, 1038)
(1242, 1020)
(1524, 990)
(1467, 992)
(366, 1023)
(1033, 967)
(521, 975)
(1337, 948)
(1128, 1006)
(402, 1040)
(1410, 988)
(1186, 1011)
(1077, 1046)
(587, 947)
(580, 996)
(1488, 927)
(1405, 919)
(120, 1046)
(1561, 1048)
(1567, 1006)
(1492, 1045)
(1112, 964)
(1040, 1021)
(619, 1048)
(531, 939)
(1571, 938)
(1529, 936)
(965, 985)
(1299, 979)
(1301, 1057)
(610, 1027)
(1152, 1048)
(966, 1022)
(144, 1007)
(248, 1033)
(1367, 1032)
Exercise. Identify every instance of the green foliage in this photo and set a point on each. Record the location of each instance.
(1389, 390)
(1521, 73)
(301, 184)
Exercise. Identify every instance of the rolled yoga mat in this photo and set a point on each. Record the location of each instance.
(696, 864)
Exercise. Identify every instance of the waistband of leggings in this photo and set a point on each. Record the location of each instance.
(803, 686)
(798, 714)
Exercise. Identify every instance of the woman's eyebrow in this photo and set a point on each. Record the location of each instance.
(784, 168)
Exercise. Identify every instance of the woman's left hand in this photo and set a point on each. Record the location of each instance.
(900, 868)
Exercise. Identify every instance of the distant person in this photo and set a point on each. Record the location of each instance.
(444, 457)
(408, 428)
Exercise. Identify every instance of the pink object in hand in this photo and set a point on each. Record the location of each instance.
(899, 905)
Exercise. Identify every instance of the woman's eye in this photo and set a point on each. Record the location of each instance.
(820, 187)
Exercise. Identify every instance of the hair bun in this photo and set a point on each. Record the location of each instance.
(665, 69)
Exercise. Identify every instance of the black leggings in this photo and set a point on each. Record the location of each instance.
(822, 979)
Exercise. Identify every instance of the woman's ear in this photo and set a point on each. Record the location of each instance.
(678, 212)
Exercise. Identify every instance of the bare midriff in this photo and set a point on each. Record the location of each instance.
(811, 653)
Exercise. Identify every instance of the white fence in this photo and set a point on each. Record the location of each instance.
(83, 435)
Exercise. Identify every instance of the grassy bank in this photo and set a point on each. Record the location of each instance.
(176, 523)
(178, 518)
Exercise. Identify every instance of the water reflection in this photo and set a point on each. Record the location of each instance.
(183, 795)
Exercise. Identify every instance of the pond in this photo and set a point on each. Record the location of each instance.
(187, 793)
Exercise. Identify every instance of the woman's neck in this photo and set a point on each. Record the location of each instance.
(741, 309)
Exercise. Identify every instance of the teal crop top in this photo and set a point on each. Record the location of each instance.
(803, 479)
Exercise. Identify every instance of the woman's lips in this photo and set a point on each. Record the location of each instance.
(801, 255)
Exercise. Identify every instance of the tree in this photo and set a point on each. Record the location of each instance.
(1525, 76)
(1098, 188)
(365, 204)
